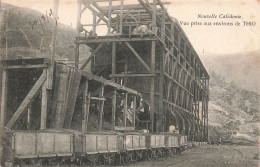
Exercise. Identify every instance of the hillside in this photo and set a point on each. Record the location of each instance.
(28, 33)
(233, 110)
(242, 68)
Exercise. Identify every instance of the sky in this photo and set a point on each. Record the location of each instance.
(205, 39)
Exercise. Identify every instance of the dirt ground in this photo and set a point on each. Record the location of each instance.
(209, 156)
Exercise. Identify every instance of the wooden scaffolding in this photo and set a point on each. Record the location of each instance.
(139, 45)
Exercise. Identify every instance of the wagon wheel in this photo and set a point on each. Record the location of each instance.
(111, 160)
(149, 155)
(139, 155)
(154, 153)
(159, 153)
(132, 156)
(117, 159)
(93, 159)
(167, 152)
(107, 159)
(163, 152)
(125, 159)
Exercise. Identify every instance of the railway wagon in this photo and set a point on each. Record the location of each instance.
(155, 144)
(171, 143)
(134, 147)
(43, 144)
(100, 147)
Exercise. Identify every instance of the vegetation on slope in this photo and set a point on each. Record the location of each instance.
(233, 111)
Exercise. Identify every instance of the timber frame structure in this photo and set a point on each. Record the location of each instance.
(162, 65)
(147, 80)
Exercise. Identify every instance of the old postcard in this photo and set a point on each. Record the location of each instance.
(129, 83)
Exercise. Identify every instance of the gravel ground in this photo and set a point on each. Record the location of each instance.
(209, 156)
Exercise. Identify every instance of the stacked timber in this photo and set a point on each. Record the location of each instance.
(66, 85)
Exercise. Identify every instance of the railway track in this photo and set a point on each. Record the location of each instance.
(220, 156)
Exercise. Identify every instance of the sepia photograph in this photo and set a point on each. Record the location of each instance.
(135, 83)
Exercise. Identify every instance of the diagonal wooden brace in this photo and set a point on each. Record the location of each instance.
(138, 56)
(27, 101)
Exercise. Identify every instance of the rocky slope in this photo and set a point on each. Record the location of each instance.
(233, 111)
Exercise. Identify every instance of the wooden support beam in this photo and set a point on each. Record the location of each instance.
(138, 56)
(131, 75)
(125, 109)
(114, 109)
(78, 32)
(152, 87)
(163, 26)
(109, 17)
(44, 104)
(162, 111)
(121, 17)
(134, 110)
(171, 81)
(98, 98)
(86, 104)
(154, 17)
(113, 59)
(25, 66)
(77, 56)
(107, 40)
(124, 128)
(91, 56)
(94, 23)
(101, 109)
(109, 83)
(185, 85)
(3, 103)
(28, 125)
(27, 101)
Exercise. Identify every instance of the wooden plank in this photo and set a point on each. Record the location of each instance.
(126, 128)
(109, 17)
(171, 81)
(27, 101)
(101, 103)
(28, 124)
(110, 83)
(163, 26)
(152, 87)
(125, 108)
(134, 110)
(137, 55)
(113, 59)
(44, 104)
(131, 75)
(85, 107)
(25, 66)
(91, 56)
(72, 91)
(133, 6)
(121, 17)
(61, 90)
(98, 98)
(154, 17)
(100, 40)
(94, 23)
(185, 85)
(161, 96)
(4, 82)
(114, 109)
